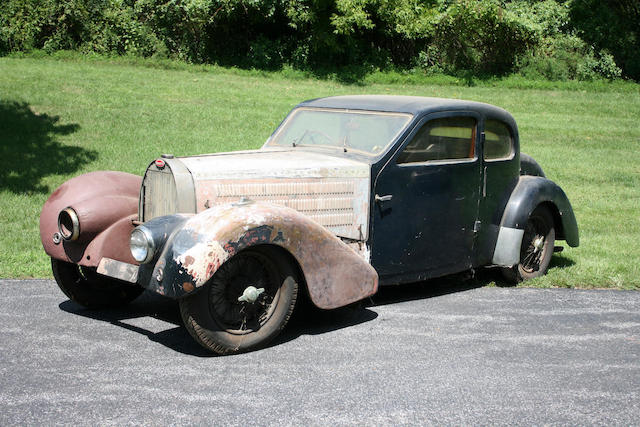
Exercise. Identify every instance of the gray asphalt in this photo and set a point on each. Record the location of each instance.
(419, 354)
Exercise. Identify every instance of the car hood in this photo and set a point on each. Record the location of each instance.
(333, 191)
(273, 164)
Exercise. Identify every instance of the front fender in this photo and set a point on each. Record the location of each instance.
(529, 193)
(334, 273)
(105, 203)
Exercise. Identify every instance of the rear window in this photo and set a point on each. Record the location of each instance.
(498, 142)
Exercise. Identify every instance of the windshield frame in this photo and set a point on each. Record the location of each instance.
(383, 150)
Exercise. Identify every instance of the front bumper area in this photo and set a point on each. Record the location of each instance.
(118, 270)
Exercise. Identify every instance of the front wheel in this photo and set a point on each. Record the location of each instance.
(86, 287)
(246, 303)
(536, 249)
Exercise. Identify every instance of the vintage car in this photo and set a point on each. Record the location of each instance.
(348, 193)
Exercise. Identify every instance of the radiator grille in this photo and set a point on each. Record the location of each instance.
(338, 204)
(160, 194)
(328, 202)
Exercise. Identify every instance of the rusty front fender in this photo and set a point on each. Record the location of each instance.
(334, 273)
(105, 203)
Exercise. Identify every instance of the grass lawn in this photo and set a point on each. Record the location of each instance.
(59, 119)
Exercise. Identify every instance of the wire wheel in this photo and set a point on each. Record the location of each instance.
(536, 249)
(246, 303)
(533, 252)
(248, 269)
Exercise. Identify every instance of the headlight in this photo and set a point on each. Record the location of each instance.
(142, 245)
(68, 224)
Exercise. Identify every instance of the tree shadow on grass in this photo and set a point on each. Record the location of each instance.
(30, 151)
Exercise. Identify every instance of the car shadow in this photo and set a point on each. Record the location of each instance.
(306, 320)
(149, 304)
(30, 150)
(557, 261)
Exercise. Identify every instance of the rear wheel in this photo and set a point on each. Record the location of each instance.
(90, 289)
(246, 303)
(536, 249)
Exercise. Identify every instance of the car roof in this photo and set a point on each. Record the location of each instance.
(415, 105)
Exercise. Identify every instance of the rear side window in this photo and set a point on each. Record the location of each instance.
(498, 142)
(450, 138)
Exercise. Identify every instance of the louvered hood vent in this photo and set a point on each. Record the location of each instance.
(332, 191)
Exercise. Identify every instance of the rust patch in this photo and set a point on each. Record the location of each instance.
(335, 274)
(188, 260)
(188, 286)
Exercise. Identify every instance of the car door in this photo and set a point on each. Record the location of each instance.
(501, 168)
(426, 200)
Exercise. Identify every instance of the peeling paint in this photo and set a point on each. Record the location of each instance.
(335, 274)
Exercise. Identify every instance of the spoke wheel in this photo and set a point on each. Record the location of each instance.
(248, 269)
(86, 287)
(245, 304)
(536, 249)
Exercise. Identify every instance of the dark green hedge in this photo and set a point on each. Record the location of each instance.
(537, 38)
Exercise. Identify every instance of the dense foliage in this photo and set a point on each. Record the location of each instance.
(553, 39)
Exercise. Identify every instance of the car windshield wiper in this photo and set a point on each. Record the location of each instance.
(344, 143)
(295, 141)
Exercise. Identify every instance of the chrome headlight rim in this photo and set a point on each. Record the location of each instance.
(69, 224)
(149, 245)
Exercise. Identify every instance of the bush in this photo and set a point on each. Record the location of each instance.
(461, 37)
(567, 57)
(482, 37)
(613, 25)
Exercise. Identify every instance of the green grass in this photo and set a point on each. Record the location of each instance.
(66, 116)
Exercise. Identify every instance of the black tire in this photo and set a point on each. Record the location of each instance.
(220, 323)
(537, 247)
(86, 287)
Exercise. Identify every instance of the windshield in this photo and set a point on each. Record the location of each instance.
(369, 132)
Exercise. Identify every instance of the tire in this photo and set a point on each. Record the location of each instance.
(536, 249)
(86, 287)
(220, 323)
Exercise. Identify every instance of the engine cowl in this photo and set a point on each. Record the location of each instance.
(333, 191)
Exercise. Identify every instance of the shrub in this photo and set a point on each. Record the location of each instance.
(613, 25)
(482, 37)
(567, 57)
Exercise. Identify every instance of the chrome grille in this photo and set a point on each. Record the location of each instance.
(160, 194)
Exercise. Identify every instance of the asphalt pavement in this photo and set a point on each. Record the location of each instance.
(418, 354)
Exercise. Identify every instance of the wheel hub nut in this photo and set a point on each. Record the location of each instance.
(538, 243)
(250, 294)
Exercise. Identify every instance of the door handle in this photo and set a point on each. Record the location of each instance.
(380, 199)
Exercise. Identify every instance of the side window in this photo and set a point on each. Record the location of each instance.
(498, 142)
(450, 138)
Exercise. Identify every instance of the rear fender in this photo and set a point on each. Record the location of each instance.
(334, 273)
(529, 193)
(105, 203)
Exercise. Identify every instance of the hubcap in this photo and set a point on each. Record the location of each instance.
(538, 243)
(250, 294)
